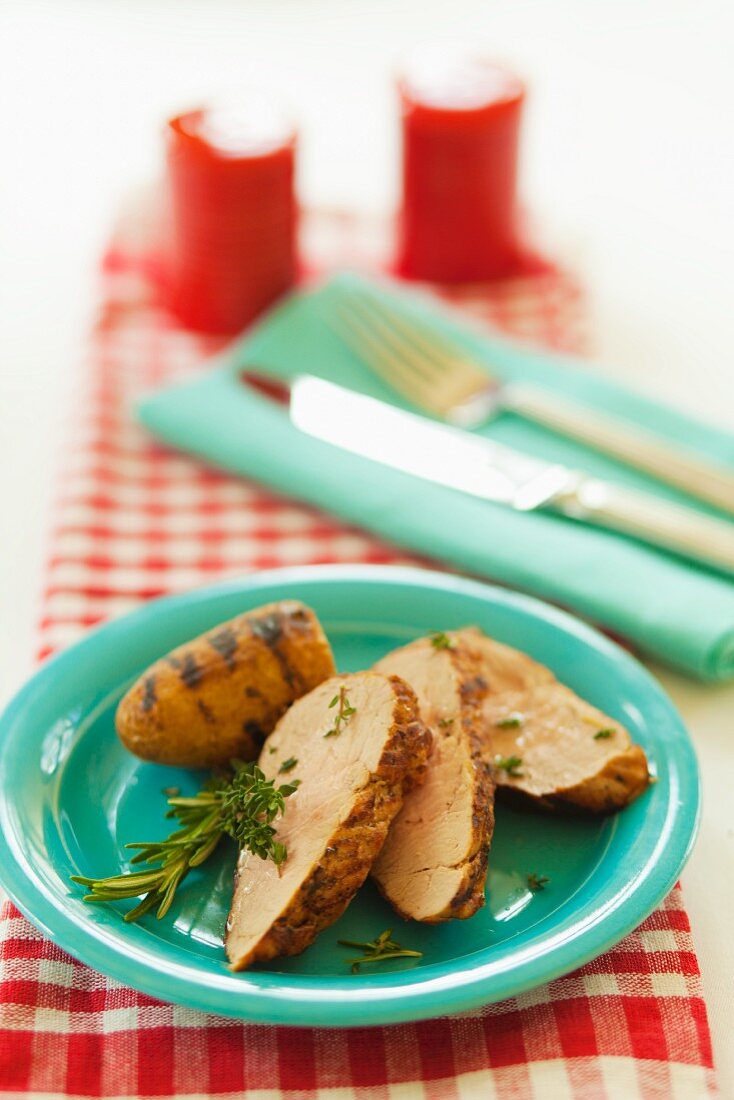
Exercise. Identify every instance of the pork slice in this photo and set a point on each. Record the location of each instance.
(434, 863)
(351, 787)
(570, 753)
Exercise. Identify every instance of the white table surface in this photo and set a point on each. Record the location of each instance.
(629, 163)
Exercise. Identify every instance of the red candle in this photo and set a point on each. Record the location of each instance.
(232, 245)
(460, 123)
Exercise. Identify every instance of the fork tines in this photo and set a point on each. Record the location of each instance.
(420, 364)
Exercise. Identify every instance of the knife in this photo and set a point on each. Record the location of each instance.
(491, 471)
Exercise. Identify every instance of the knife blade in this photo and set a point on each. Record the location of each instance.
(491, 471)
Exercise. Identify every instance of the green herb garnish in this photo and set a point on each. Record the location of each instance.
(344, 713)
(243, 806)
(602, 735)
(384, 947)
(288, 765)
(511, 722)
(441, 640)
(446, 723)
(537, 882)
(509, 764)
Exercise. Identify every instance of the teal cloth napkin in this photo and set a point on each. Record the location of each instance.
(668, 608)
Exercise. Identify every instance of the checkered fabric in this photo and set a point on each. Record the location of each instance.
(135, 521)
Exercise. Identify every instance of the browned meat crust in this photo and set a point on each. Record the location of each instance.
(219, 696)
(410, 872)
(620, 781)
(572, 755)
(343, 863)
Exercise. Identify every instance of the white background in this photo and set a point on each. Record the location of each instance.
(629, 163)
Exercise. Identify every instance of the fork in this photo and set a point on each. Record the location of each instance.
(441, 379)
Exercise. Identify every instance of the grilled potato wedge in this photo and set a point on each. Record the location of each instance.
(219, 696)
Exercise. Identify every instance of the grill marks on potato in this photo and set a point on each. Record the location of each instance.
(190, 672)
(218, 696)
(205, 712)
(254, 730)
(150, 698)
(224, 642)
(269, 628)
(186, 667)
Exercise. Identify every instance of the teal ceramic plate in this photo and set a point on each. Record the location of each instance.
(72, 797)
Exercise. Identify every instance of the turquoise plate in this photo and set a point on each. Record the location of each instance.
(72, 797)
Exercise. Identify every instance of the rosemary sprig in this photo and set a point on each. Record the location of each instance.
(441, 640)
(377, 950)
(537, 882)
(509, 764)
(243, 806)
(602, 735)
(344, 713)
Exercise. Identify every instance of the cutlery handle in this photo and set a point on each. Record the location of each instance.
(634, 446)
(670, 526)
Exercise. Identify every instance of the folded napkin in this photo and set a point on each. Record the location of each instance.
(669, 608)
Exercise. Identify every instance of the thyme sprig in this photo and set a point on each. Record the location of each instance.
(379, 949)
(511, 722)
(344, 713)
(509, 764)
(602, 735)
(441, 640)
(242, 805)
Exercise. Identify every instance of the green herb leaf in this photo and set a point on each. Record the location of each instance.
(243, 805)
(511, 722)
(377, 950)
(288, 788)
(602, 735)
(509, 764)
(250, 803)
(441, 640)
(288, 765)
(537, 882)
(345, 712)
(278, 853)
(446, 723)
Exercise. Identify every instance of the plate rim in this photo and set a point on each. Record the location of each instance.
(377, 1000)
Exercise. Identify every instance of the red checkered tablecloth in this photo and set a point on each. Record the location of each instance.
(135, 521)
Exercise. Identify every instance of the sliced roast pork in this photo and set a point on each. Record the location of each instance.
(434, 863)
(356, 744)
(549, 745)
